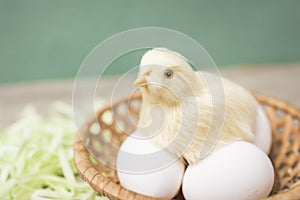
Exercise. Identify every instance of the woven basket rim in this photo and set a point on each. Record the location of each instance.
(89, 173)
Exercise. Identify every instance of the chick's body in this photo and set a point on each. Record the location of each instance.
(198, 110)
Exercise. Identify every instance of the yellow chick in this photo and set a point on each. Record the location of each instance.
(190, 113)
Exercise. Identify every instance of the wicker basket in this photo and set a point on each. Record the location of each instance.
(285, 154)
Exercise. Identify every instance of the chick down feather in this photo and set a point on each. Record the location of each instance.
(191, 113)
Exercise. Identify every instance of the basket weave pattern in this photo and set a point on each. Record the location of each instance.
(102, 135)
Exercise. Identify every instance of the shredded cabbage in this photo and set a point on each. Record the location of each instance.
(36, 158)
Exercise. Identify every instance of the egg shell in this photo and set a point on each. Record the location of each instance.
(263, 133)
(238, 171)
(145, 169)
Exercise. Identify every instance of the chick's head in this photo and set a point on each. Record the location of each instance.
(165, 77)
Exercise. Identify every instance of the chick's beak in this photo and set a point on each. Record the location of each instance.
(140, 81)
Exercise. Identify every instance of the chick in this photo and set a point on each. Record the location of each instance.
(187, 111)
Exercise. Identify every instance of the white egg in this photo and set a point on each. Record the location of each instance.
(145, 169)
(238, 171)
(263, 133)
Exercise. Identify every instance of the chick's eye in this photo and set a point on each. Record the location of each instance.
(168, 74)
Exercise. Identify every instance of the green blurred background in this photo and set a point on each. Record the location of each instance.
(46, 39)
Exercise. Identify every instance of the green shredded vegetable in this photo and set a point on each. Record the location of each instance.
(36, 158)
